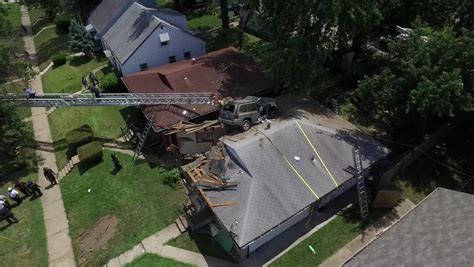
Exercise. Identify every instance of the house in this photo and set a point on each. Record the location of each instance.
(144, 38)
(437, 232)
(257, 184)
(107, 13)
(225, 72)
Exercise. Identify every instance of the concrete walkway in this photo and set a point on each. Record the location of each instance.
(369, 235)
(57, 229)
(156, 244)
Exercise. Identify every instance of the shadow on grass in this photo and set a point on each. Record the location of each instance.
(78, 61)
(83, 167)
(206, 246)
(52, 47)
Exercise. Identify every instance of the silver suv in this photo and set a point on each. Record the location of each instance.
(243, 113)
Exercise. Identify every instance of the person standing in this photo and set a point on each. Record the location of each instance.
(13, 194)
(93, 79)
(34, 188)
(95, 90)
(21, 186)
(115, 160)
(85, 83)
(50, 175)
(7, 215)
(4, 201)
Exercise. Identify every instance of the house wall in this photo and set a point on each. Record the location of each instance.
(153, 54)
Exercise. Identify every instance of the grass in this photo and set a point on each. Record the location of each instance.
(48, 43)
(136, 196)
(204, 22)
(222, 39)
(13, 14)
(67, 78)
(17, 88)
(35, 13)
(200, 243)
(105, 122)
(23, 244)
(329, 239)
(152, 260)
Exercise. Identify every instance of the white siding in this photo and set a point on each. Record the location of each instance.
(153, 54)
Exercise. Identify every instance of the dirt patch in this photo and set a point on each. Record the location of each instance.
(96, 237)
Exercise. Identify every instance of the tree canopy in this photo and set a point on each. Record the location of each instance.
(79, 39)
(429, 75)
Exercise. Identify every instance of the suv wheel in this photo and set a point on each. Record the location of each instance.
(246, 125)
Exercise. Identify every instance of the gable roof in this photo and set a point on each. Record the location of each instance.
(276, 177)
(105, 11)
(226, 72)
(437, 232)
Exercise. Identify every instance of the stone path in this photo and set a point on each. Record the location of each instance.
(57, 229)
(341, 256)
(156, 244)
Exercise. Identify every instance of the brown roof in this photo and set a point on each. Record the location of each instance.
(226, 72)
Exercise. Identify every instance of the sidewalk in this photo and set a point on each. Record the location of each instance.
(57, 229)
(370, 234)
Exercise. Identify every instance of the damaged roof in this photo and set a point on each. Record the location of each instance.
(226, 72)
(437, 232)
(279, 174)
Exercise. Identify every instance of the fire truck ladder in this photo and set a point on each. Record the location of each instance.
(361, 189)
(141, 139)
(78, 100)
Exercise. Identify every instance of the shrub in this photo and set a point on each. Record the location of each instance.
(62, 22)
(110, 82)
(79, 136)
(59, 59)
(90, 152)
(172, 178)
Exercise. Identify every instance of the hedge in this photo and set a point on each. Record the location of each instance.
(110, 82)
(62, 22)
(59, 59)
(79, 136)
(90, 152)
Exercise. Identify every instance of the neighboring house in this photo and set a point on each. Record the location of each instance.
(144, 38)
(439, 231)
(226, 72)
(257, 184)
(107, 13)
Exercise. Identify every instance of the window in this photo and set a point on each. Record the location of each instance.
(244, 108)
(143, 66)
(252, 107)
(164, 38)
(187, 55)
(172, 59)
(164, 43)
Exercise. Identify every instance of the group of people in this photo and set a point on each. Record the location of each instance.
(93, 86)
(28, 189)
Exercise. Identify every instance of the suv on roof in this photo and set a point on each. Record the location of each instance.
(250, 110)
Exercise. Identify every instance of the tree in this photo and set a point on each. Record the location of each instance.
(79, 39)
(11, 63)
(428, 77)
(51, 7)
(84, 6)
(224, 14)
(5, 25)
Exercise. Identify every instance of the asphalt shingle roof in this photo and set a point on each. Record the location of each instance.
(438, 232)
(105, 11)
(269, 191)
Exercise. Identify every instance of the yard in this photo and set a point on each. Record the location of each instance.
(22, 244)
(67, 78)
(13, 15)
(48, 43)
(152, 260)
(329, 239)
(200, 243)
(136, 197)
(222, 39)
(17, 88)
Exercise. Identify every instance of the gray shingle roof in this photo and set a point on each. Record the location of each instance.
(131, 30)
(438, 232)
(269, 191)
(105, 11)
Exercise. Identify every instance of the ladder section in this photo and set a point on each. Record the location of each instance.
(361, 188)
(142, 139)
(125, 99)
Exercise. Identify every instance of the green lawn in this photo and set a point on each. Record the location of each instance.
(200, 243)
(222, 39)
(17, 88)
(204, 22)
(35, 13)
(136, 196)
(49, 43)
(152, 260)
(22, 244)
(329, 239)
(67, 78)
(105, 122)
(13, 14)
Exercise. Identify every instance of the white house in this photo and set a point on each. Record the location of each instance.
(104, 16)
(145, 37)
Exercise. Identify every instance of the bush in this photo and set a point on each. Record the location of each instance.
(110, 82)
(90, 152)
(59, 59)
(172, 178)
(62, 22)
(79, 136)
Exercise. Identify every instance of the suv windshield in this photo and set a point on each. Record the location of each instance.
(229, 108)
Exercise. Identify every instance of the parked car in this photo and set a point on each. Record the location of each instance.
(250, 110)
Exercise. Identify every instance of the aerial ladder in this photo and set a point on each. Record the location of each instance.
(361, 187)
(49, 100)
